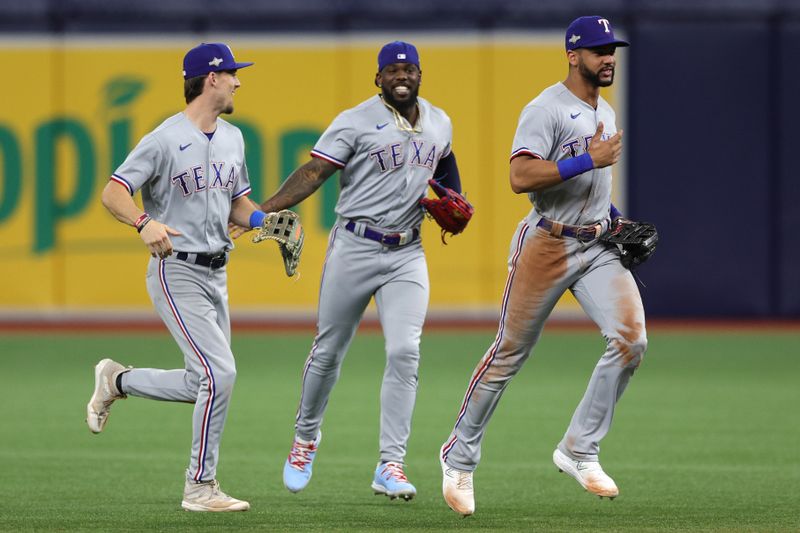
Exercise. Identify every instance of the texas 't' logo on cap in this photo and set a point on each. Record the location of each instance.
(591, 32)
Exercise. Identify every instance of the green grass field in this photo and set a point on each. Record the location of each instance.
(706, 438)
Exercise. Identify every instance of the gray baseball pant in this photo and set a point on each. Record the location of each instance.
(355, 270)
(192, 301)
(541, 268)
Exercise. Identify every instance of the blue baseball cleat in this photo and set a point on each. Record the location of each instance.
(391, 481)
(297, 470)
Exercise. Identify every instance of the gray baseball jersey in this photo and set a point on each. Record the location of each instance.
(542, 265)
(385, 169)
(558, 125)
(188, 183)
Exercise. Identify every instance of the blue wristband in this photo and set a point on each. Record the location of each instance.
(615, 214)
(571, 167)
(257, 218)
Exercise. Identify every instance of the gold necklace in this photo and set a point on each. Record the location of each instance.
(401, 122)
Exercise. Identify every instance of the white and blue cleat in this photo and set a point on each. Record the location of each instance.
(391, 481)
(297, 469)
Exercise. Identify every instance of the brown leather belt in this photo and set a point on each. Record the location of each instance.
(582, 233)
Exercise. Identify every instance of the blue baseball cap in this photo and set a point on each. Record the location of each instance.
(397, 52)
(590, 32)
(209, 57)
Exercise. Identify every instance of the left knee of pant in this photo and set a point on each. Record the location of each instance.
(630, 351)
(224, 380)
(403, 358)
(405, 349)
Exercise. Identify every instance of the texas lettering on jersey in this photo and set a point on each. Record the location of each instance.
(571, 146)
(392, 156)
(194, 179)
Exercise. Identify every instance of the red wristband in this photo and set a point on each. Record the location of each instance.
(141, 222)
(140, 219)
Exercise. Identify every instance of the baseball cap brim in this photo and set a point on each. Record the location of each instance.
(205, 70)
(602, 42)
(241, 65)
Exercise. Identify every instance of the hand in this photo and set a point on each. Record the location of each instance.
(237, 231)
(156, 237)
(605, 153)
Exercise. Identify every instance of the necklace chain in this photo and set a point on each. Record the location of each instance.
(401, 122)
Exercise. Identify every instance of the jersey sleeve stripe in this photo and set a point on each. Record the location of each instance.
(122, 181)
(243, 192)
(524, 151)
(328, 158)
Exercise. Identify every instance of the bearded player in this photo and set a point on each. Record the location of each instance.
(564, 147)
(386, 149)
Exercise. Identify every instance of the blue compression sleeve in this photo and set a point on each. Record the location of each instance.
(573, 166)
(446, 173)
(257, 218)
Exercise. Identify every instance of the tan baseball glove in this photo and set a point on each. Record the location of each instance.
(284, 228)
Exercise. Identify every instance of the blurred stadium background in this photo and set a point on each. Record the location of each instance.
(705, 95)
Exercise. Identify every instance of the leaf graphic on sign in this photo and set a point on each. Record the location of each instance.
(122, 91)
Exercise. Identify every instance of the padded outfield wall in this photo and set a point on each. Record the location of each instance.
(83, 103)
(711, 156)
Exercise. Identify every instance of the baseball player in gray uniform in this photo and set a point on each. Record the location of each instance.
(193, 177)
(387, 148)
(565, 144)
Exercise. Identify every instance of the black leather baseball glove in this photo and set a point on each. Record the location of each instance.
(636, 240)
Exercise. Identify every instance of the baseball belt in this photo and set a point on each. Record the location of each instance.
(582, 233)
(387, 239)
(213, 261)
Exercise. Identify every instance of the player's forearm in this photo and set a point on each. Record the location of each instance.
(530, 175)
(299, 185)
(241, 210)
(119, 203)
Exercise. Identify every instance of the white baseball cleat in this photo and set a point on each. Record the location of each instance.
(457, 489)
(207, 496)
(105, 393)
(588, 473)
